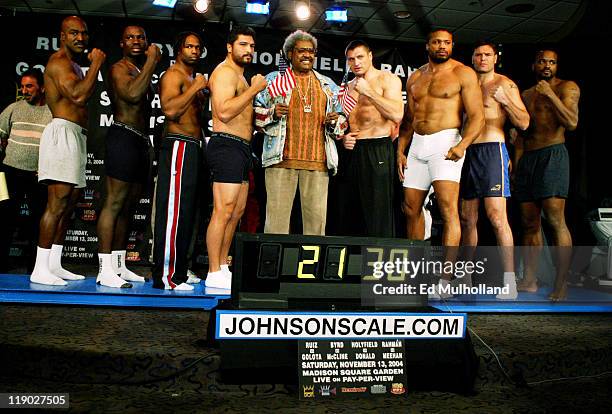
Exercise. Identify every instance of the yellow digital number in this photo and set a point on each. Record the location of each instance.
(402, 275)
(341, 263)
(380, 252)
(303, 262)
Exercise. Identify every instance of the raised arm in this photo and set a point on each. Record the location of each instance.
(133, 89)
(507, 94)
(71, 86)
(389, 104)
(566, 104)
(175, 101)
(223, 84)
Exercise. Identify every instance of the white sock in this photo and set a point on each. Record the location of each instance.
(41, 273)
(55, 264)
(225, 268)
(106, 274)
(118, 260)
(510, 281)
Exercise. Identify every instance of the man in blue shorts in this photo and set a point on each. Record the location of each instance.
(486, 167)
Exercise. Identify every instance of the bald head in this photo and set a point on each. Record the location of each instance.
(74, 36)
(72, 21)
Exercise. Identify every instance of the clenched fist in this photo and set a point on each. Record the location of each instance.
(200, 81)
(544, 88)
(96, 57)
(259, 82)
(153, 53)
(499, 94)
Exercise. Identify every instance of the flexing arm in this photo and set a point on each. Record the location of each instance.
(69, 84)
(566, 105)
(175, 102)
(507, 94)
(223, 84)
(133, 89)
(389, 104)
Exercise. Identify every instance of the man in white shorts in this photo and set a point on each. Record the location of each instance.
(438, 95)
(63, 147)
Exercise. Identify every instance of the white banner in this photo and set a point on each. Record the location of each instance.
(336, 325)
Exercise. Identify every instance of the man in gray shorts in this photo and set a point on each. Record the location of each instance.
(542, 168)
(63, 152)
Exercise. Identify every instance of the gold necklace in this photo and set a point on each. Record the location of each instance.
(303, 98)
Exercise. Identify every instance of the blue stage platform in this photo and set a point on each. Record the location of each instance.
(18, 289)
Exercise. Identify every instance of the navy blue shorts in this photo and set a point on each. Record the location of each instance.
(127, 154)
(485, 171)
(542, 173)
(229, 158)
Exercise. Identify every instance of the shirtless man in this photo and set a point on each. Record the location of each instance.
(485, 173)
(63, 146)
(180, 159)
(542, 170)
(366, 196)
(229, 150)
(439, 93)
(127, 152)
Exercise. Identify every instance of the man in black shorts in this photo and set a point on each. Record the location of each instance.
(127, 152)
(542, 172)
(229, 150)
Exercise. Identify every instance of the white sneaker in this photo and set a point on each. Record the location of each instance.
(219, 279)
(182, 286)
(192, 278)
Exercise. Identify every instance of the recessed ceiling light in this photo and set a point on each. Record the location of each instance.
(401, 14)
(520, 8)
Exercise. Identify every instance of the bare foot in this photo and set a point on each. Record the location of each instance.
(559, 293)
(527, 286)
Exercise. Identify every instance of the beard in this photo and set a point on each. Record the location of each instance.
(242, 60)
(438, 59)
(542, 76)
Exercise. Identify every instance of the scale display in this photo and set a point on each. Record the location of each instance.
(276, 271)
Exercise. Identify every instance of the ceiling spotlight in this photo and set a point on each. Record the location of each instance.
(164, 3)
(302, 10)
(201, 6)
(258, 7)
(336, 14)
(401, 14)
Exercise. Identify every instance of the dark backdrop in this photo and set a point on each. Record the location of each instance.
(29, 39)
